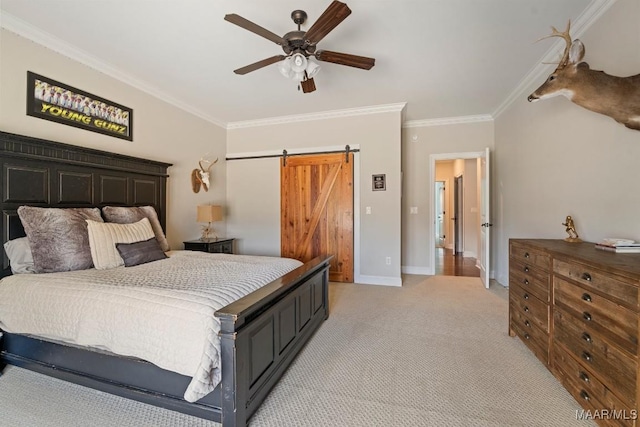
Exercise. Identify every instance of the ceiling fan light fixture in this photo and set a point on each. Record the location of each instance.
(298, 62)
(285, 67)
(312, 68)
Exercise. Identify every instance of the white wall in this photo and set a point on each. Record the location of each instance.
(554, 158)
(160, 131)
(253, 186)
(418, 143)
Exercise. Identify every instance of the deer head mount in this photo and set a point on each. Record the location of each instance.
(200, 176)
(616, 97)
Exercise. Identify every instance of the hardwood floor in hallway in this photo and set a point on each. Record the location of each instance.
(448, 264)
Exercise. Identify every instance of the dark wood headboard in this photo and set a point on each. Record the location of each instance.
(37, 172)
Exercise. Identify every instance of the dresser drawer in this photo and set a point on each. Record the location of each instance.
(590, 393)
(616, 322)
(530, 278)
(615, 368)
(536, 339)
(530, 256)
(615, 287)
(529, 307)
(581, 380)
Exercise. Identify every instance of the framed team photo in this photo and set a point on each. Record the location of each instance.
(51, 100)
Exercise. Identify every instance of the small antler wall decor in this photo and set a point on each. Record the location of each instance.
(200, 176)
(616, 97)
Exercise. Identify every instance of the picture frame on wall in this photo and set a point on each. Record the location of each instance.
(58, 102)
(379, 182)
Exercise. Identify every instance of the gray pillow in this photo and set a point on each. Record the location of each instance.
(58, 237)
(140, 252)
(130, 214)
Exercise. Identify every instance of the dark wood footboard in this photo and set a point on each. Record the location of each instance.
(261, 335)
(263, 332)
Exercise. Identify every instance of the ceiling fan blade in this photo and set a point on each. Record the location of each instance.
(254, 28)
(257, 65)
(330, 18)
(346, 59)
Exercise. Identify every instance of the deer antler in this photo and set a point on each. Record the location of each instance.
(567, 38)
(207, 161)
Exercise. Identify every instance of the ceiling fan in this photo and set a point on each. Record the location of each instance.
(301, 46)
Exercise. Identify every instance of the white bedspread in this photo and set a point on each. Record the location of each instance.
(161, 312)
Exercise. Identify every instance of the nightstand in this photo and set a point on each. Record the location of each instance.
(220, 245)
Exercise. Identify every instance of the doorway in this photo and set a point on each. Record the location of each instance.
(466, 249)
(440, 207)
(458, 215)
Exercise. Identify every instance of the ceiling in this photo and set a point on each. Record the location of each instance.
(444, 58)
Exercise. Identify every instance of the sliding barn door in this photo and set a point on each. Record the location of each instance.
(317, 210)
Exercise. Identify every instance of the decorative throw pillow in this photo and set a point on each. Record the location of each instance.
(103, 237)
(58, 237)
(19, 254)
(129, 214)
(140, 252)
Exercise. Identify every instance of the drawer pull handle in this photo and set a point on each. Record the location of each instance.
(526, 269)
(586, 356)
(525, 296)
(586, 316)
(527, 336)
(584, 377)
(586, 276)
(526, 254)
(526, 309)
(526, 281)
(527, 324)
(586, 297)
(587, 337)
(584, 395)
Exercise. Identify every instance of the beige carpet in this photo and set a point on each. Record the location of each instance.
(433, 353)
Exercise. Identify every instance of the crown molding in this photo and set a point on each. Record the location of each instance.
(348, 112)
(447, 121)
(28, 31)
(590, 15)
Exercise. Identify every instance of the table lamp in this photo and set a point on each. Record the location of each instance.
(209, 214)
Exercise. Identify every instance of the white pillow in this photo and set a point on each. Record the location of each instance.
(19, 254)
(103, 237)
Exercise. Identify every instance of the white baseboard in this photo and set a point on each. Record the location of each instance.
(378, 280)
(469, 254)
(423, 271)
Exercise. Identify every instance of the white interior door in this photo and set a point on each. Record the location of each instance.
(485, 219)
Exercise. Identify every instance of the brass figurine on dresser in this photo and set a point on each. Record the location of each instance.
(571, 230)
(576, 308)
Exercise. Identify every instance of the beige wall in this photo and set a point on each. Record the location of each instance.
(554, 158)
(160, 131)
(418, 143)
(253, 186)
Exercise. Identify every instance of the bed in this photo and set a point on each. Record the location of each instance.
(259, 334)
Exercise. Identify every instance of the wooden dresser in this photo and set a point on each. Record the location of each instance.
(577, 309)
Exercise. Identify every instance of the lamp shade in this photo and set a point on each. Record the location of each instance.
(285, 67)
(312, 68)
(298, 63)
(209, 213)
